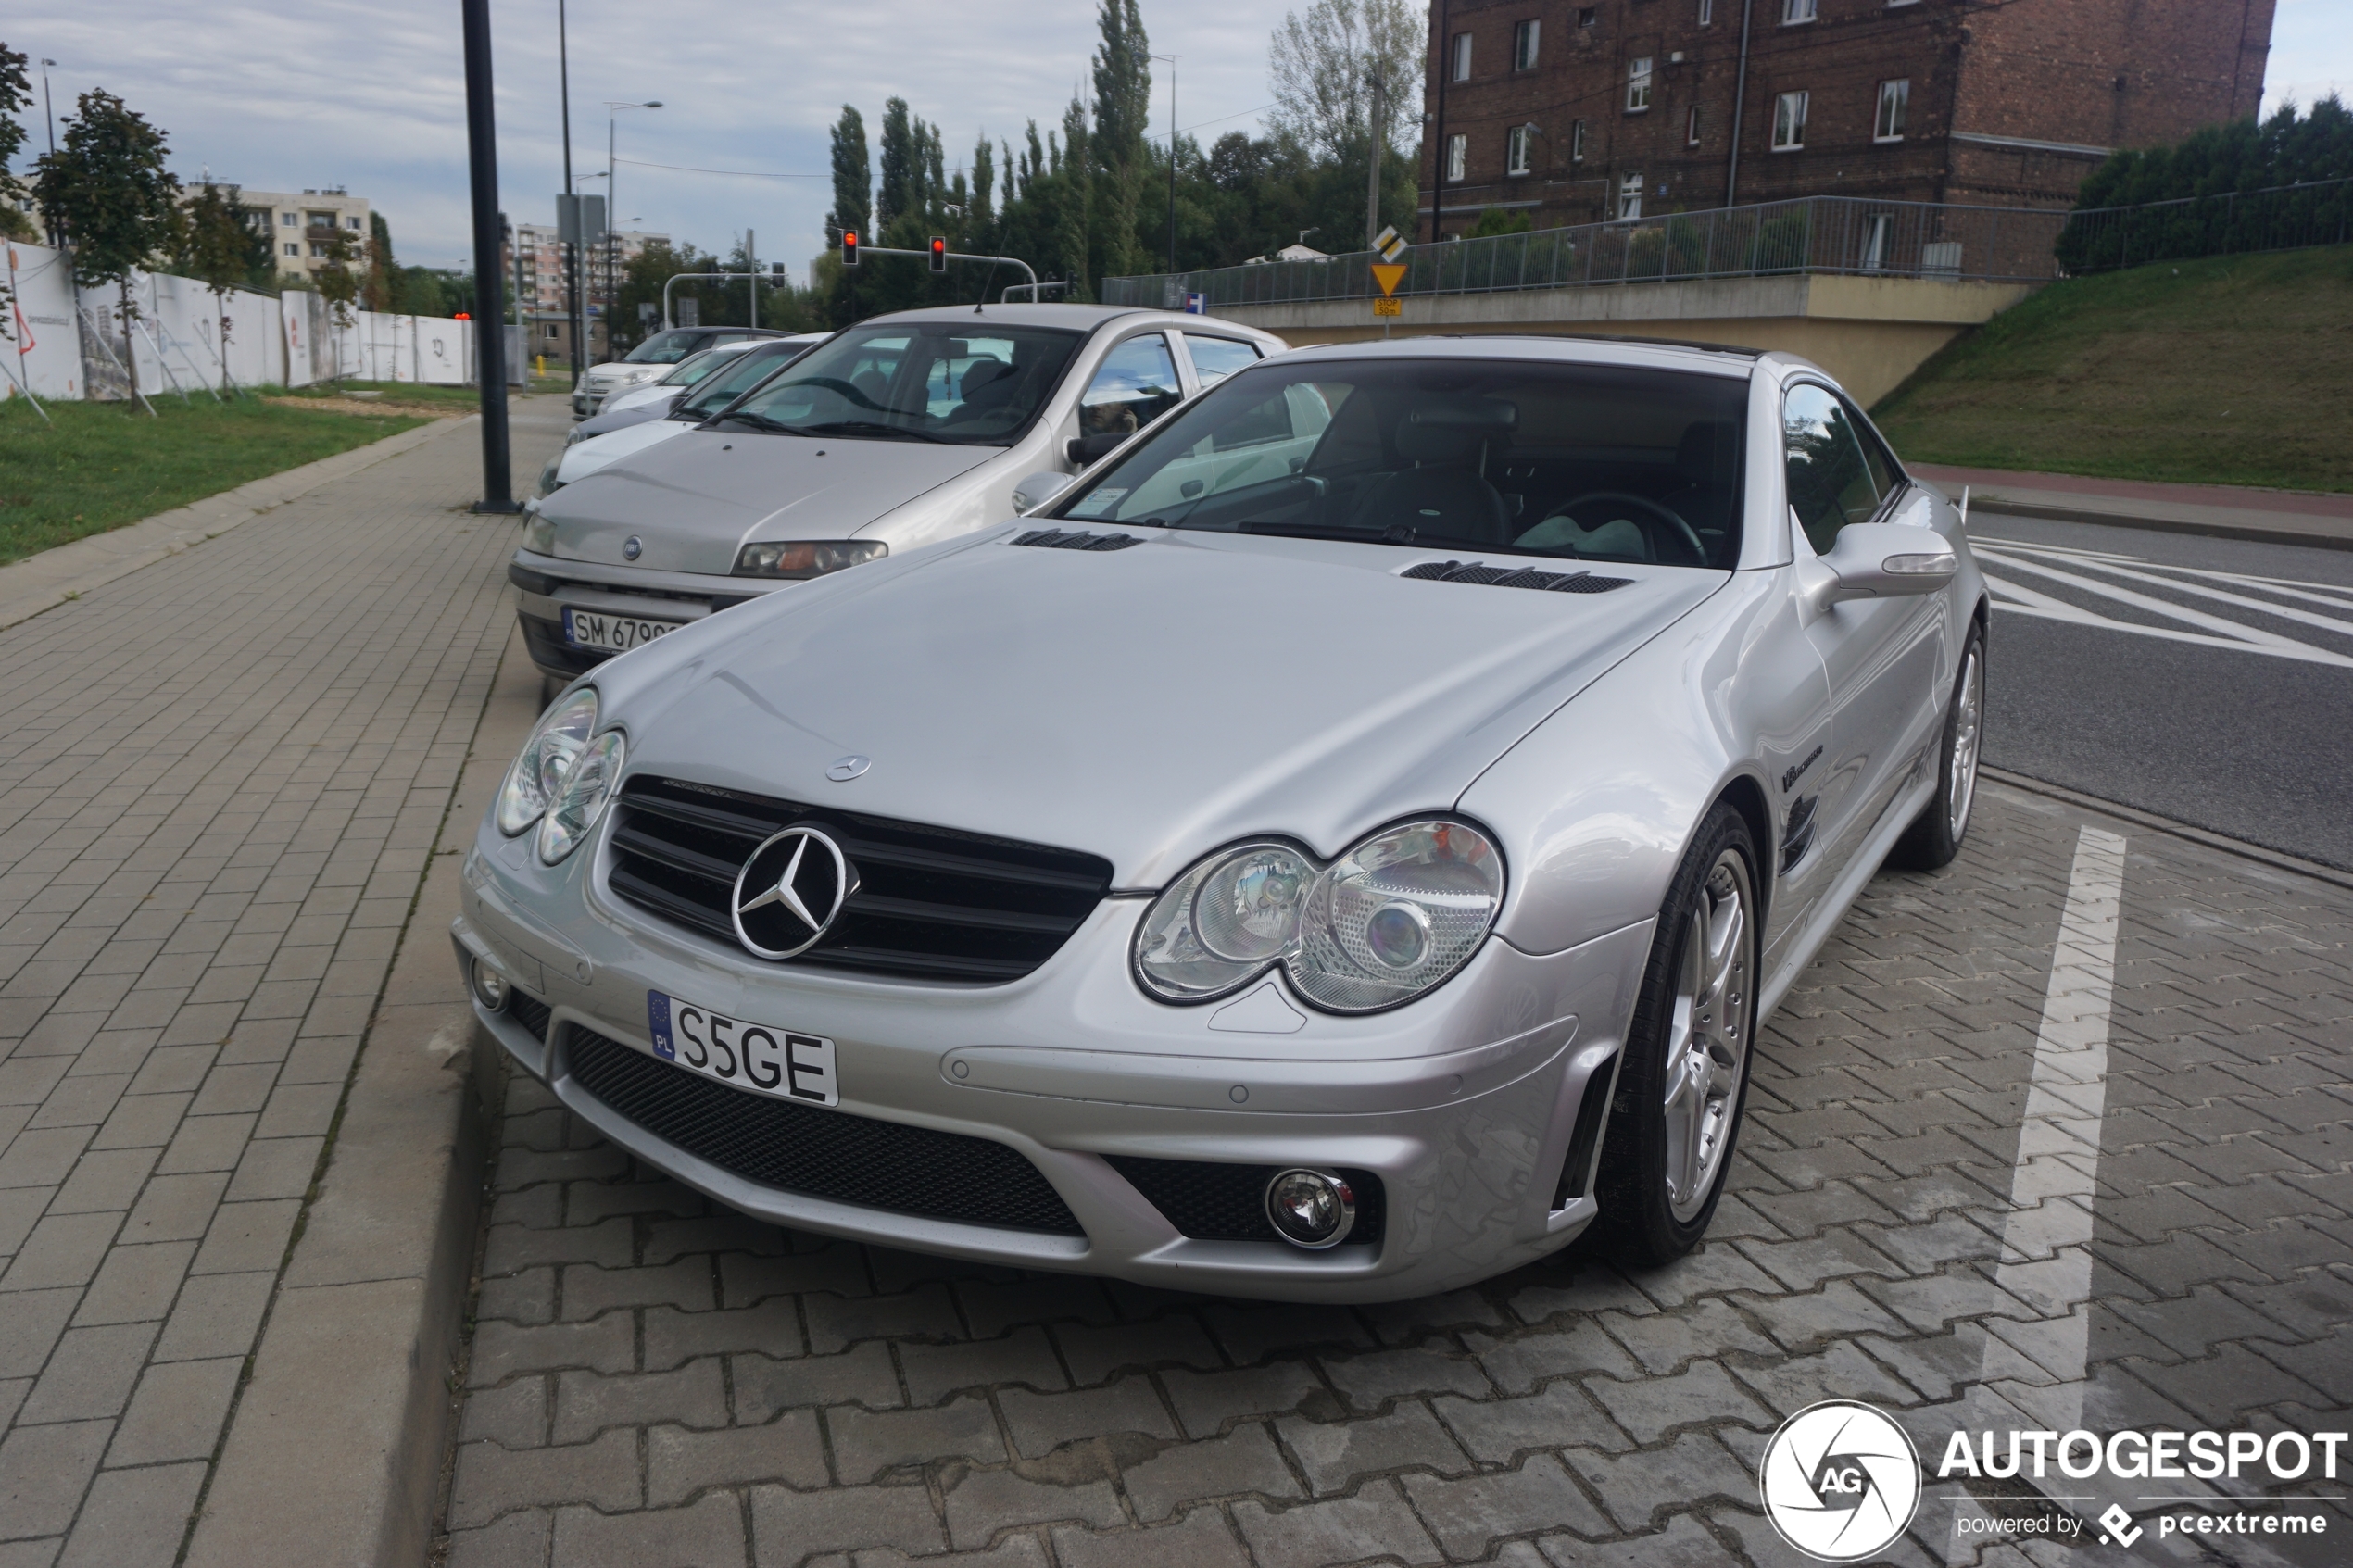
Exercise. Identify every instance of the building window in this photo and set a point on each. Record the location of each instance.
(1630, 196)
(351, 222)
(1577, 142)
(290, 219)
(1706, 13)
(1877, 230)
(1789, 123)
(1637, 84)
(1457, 150)
(318, 250)
(1462, 57)
(552, 334)
(1691, 127)
(1524, 45)
(1894, 98)
(293, 249)
(1516, 152)
(1795, 11)
(1587, 16)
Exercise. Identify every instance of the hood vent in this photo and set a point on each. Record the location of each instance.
(1514, 577)
(1055, 539)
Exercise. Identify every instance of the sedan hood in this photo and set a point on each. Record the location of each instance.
(695, 500)
(1146, 703)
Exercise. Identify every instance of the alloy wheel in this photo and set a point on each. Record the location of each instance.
(1707, 1036)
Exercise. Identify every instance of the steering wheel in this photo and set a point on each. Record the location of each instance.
(1676, 529)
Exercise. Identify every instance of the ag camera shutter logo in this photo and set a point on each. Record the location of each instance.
(1841, 1481)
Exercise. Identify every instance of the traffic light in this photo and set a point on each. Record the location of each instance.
(939, 252)
(849, 248)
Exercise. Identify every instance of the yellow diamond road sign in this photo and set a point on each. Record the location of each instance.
(1388, 275)
(1390, 243)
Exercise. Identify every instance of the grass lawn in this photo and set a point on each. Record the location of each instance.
(2227, 370)
(105, 464)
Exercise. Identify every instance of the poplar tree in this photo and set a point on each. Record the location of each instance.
(1123, 99)
(119, 206)
(853, 179)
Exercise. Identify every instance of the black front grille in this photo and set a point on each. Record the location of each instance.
(1479, 572)
(529, 1011)
(1228, 1202)
(827, 1154)
(930, 903)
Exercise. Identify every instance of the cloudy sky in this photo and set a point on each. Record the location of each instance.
(283, 95)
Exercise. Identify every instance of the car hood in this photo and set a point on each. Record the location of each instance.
(695, 498)
(1146, 703)
(599, 451)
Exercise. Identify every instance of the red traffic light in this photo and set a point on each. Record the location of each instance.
(939, 252)
(849, 248)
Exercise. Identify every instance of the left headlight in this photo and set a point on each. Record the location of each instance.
(563, 779)
(807, 558)
(1393, 917)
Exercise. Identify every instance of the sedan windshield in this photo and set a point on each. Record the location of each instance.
(735, 375)
(916, 381)
(664, 349)
(1509, 456)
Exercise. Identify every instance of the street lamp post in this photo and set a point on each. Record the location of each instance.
(1172, 60)
(50, 110)
(612, 206)
(490, 328)
(571, 246)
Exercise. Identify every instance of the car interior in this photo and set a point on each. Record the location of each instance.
(924, 382)
(1582, 462)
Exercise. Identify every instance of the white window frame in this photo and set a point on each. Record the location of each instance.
(1707, 13)
(1895, 94)
(1577, 142)
(1796, 13)
(1879, 233)
(1462, 57)
(1457, 156)
(1516, 150)
(1630, 197)
(1525, 41)
(290, 220)
(293, 249)
(1637, 84)
(1789, 122)
(1691, 127)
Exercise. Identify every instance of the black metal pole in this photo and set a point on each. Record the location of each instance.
(572, 322)
(490, 326)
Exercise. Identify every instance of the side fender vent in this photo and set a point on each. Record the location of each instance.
(1512, 577)
(1077, 539)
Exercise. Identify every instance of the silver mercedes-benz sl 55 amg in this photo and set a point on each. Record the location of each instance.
(1339, 848)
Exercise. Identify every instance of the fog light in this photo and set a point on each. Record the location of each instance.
(490, 987)
(1310, 1209)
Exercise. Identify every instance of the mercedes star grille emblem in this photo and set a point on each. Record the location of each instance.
(789, 892)
(848, 768)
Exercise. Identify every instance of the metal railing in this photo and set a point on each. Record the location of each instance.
(2317, 212)
(1835, 234)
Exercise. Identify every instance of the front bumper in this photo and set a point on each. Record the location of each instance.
(545, 584)
(1465, 1104)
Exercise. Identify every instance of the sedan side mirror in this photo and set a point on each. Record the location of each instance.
(1885, 561)
(1085, 449)
(1039, 488)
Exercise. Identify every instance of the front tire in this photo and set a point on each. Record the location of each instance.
(1675, 1114)
(1930, 843)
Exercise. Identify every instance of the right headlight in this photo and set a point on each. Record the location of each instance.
(1393, 917)
(539, 775)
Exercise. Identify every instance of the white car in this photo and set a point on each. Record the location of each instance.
(746, 363)
(650, 362)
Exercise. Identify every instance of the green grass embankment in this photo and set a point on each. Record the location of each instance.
(2226, 370)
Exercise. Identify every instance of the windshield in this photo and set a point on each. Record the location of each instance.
(916, 381)
(736, 375)
(692, 369)
(1575, 462)
(663, 348)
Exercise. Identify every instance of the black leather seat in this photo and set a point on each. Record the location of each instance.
(1444, 494)
(1705, 481)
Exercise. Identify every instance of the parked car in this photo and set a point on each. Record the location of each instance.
(1331, 859)
(738, 367)
(900, 431)
(650, 362)
(652, 399)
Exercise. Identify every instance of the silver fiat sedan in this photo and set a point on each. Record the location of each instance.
(1338, 849)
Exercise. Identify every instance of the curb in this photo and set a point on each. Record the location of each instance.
(51, 577)
(333, 1452)
(2276, 859)
(2263, 533)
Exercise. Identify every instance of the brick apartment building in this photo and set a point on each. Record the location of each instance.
(1575, 113)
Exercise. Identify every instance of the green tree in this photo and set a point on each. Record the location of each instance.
(380, 278)
(1319, 66)
(110, 194)
(1122, 100)
(16, 92)
(901, 169)
(338, 284)
(853, 179)
(1496, 220)
(217, 247)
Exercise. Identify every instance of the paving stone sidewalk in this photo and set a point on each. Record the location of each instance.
(654, 1381)
(222, 777)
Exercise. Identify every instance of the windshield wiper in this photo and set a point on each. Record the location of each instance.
(873, 427)
(759, 421)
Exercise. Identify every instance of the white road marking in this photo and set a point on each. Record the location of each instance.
(2220, 630)
(2115, 569)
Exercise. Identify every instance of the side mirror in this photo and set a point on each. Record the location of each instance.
(1039, 488)
(1085, 449)
(1885, 561)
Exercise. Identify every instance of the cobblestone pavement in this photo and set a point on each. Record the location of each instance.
(654, 1381)
(222, 777)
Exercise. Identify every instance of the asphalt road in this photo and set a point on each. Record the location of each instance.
(2207, 679)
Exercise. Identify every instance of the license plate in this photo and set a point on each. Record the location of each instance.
(614, 634)
(783, 1062)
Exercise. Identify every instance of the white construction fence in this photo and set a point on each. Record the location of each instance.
(69, 343)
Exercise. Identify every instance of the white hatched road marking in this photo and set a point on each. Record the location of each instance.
(2049, 562)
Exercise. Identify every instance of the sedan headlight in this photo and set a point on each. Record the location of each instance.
(812, 558)
(539, 533)
(1386, 922)
(563, 779)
